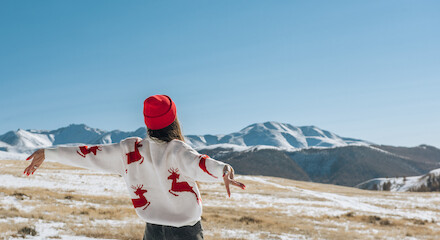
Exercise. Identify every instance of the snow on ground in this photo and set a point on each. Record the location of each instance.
(45, 230)
(318, 203)
(287, 199)
(79, 181)
(9, 202)
(12, 156)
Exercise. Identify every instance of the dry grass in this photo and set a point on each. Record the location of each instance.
(127, 231)
(88, 215)
(11, 229)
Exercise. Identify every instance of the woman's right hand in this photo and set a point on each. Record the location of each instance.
(37, 159)
(228, 178)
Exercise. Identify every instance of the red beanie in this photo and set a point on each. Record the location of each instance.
(159, 111)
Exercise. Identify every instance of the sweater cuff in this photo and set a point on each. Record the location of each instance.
(50, 154)
(217, 167)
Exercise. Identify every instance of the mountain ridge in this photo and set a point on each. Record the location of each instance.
(281, 135)
(269, 134)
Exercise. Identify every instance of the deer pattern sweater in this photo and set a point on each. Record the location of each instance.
(160, 177)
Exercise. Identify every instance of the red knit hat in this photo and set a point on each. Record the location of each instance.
(159, 111)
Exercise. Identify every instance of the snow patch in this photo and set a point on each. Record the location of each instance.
(69, 180)
(12, 202)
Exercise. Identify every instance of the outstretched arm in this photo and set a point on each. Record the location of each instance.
(107, 158)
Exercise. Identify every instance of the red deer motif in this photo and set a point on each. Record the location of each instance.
(202, 164)
(141, 201)
(179, 186)
(135, 155)
(86, 150)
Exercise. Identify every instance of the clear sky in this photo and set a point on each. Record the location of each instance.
(362, 69)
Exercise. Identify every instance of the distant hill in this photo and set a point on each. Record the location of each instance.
(429, 182)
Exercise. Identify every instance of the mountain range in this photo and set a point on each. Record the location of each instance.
(268, 134)
(272, 149)
(279, 135)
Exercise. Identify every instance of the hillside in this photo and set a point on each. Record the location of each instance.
(89, 203)
(346, 166)
(266, 162)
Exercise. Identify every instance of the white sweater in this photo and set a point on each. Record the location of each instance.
(160, 177)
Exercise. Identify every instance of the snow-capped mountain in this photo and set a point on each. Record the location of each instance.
(279, 135)
(424, 183)
(269, 134)
(26, 141)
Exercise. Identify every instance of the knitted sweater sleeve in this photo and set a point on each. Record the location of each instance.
(107, 158)
(199, 167)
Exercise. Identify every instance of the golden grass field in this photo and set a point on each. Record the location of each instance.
(61, 202)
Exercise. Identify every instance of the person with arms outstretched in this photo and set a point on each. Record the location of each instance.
(160, 172)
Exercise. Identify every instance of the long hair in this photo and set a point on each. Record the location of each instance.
(168, 133)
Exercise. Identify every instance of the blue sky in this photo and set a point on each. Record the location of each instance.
(362, 69)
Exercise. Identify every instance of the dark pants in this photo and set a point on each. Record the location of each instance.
(161, 232)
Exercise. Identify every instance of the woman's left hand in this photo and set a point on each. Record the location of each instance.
(228, 178)
(37, 159)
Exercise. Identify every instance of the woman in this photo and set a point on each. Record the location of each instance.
(160, 172)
